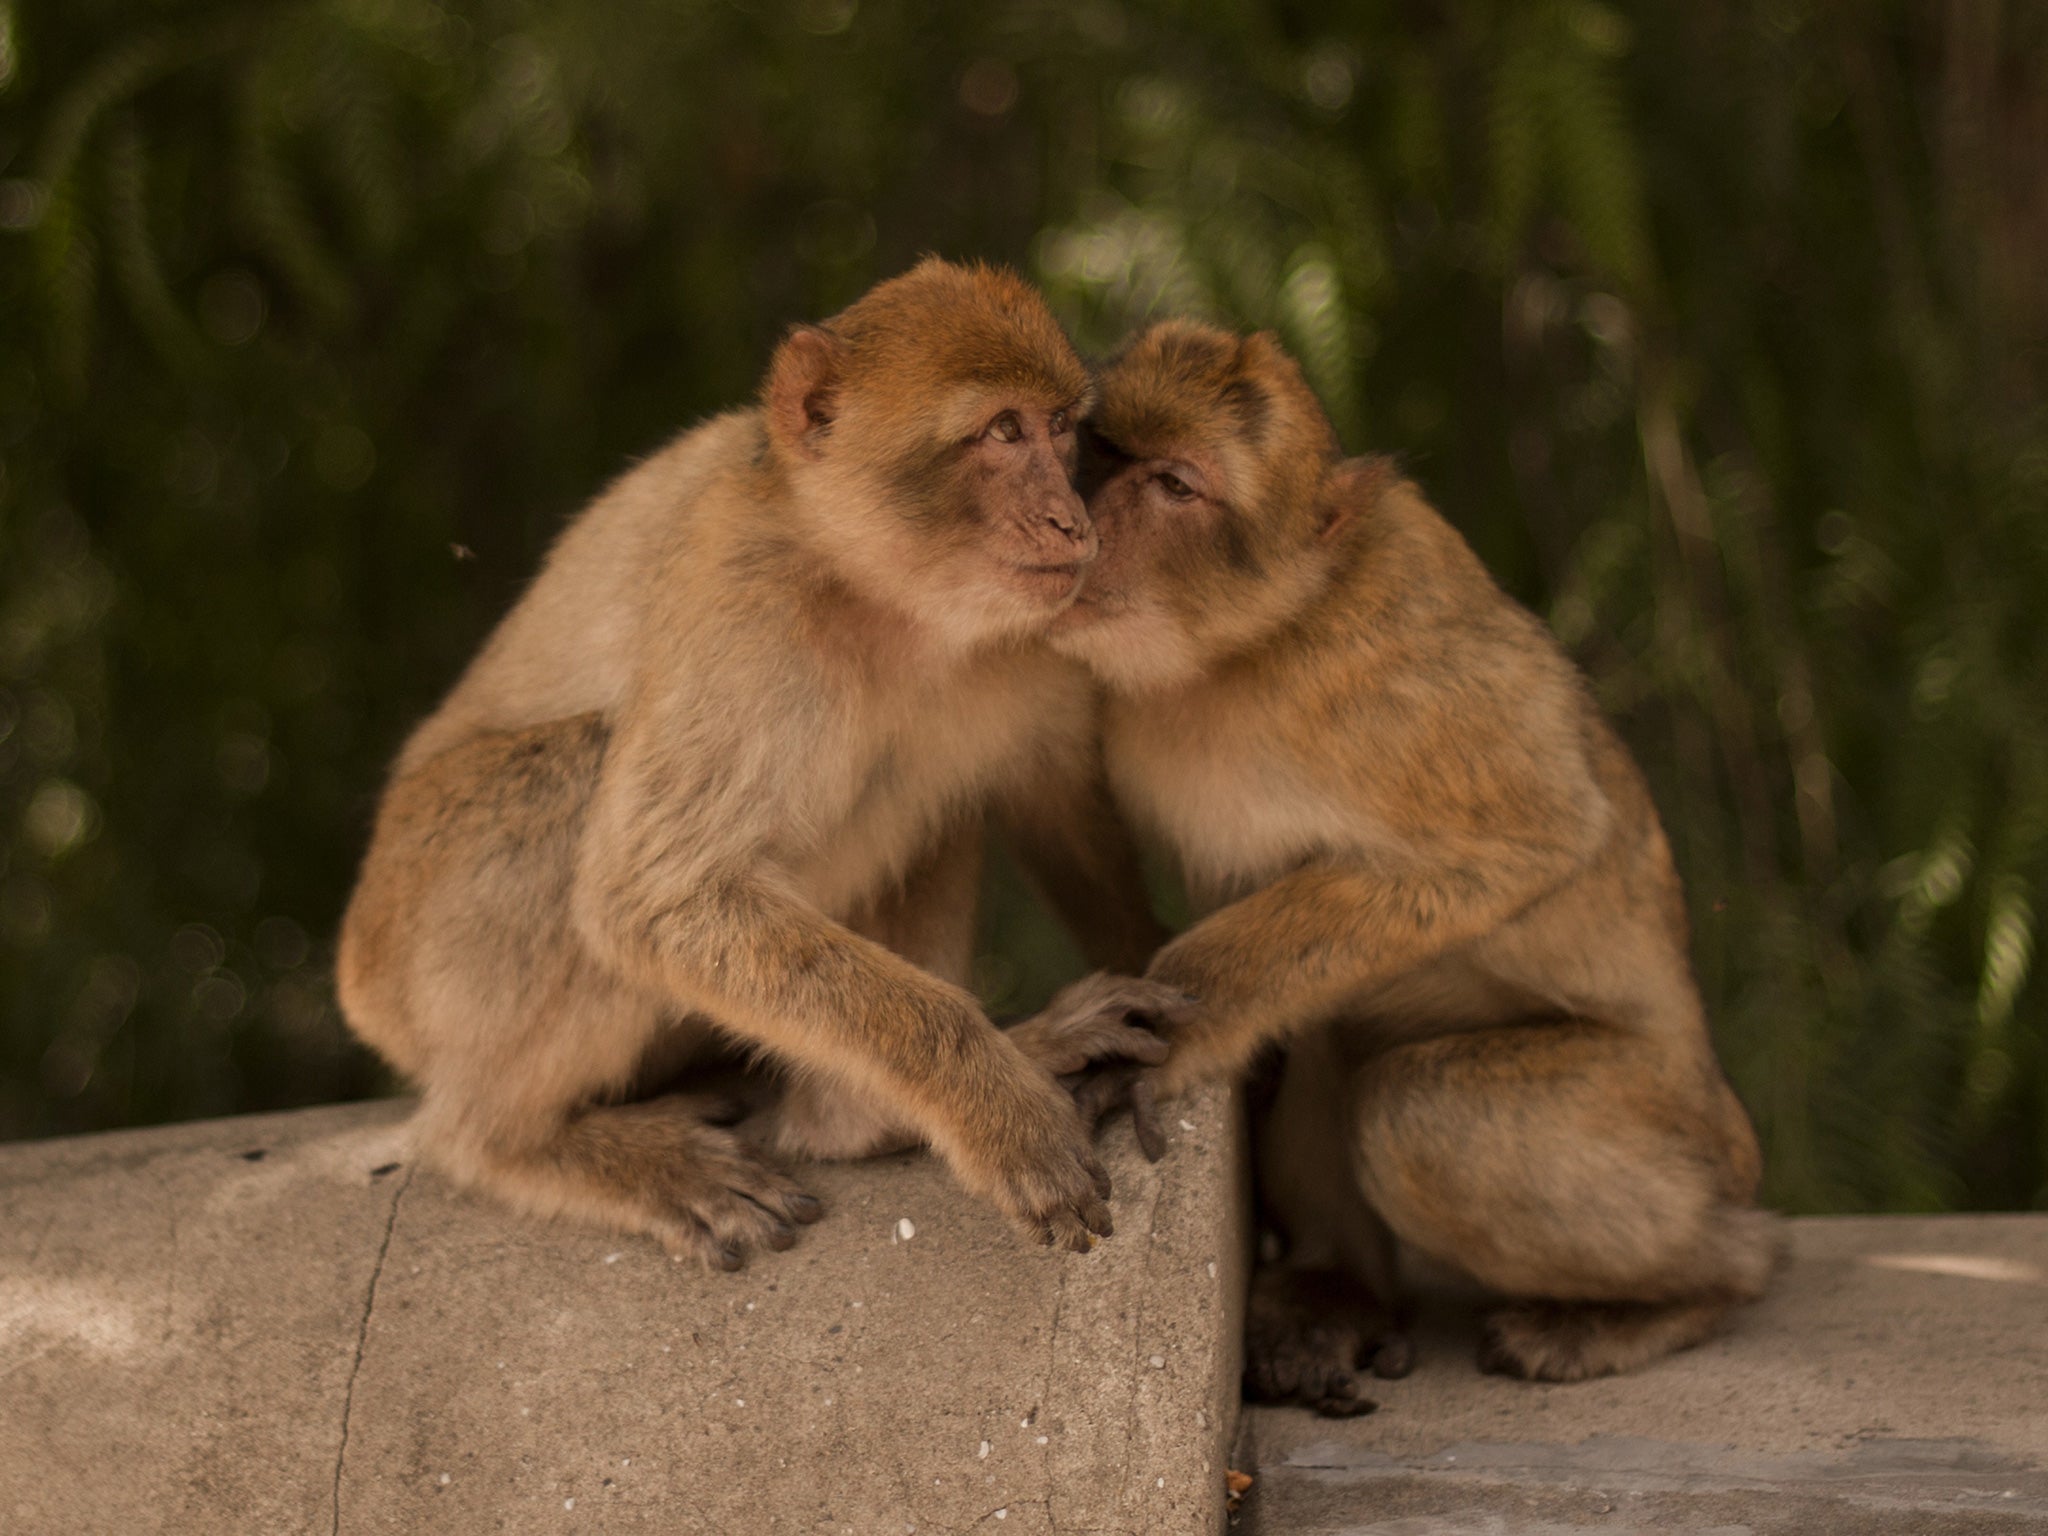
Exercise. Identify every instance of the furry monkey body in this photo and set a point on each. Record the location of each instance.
(722, 769)
(1434, 873)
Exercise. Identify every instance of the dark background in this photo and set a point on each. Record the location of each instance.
(1718, 328)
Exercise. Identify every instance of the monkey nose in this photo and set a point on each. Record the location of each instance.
(1071, 519)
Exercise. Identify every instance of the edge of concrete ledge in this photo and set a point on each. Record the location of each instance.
(274, 1322)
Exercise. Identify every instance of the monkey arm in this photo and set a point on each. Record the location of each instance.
(1298, 949)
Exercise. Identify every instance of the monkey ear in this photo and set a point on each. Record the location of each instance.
(800, 396)
(1352, 486)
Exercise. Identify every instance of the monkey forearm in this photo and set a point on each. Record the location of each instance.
(774, 970)
(1289, 954)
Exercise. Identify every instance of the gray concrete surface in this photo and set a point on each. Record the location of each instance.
(276, 1324)
(1896, 1380)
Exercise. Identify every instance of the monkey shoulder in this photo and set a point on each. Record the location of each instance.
(571, 643)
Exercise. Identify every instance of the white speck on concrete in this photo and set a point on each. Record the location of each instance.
(613, 1258)
(1002, 1514)
(1157, 1362)
(906, 1228)
(445, 1479)
(1187, 1125)
(1201, 1418)
(1212, 1269)
(982, 1454)
(1160, 1484)
(740, 1402)
(1041, 1440)
(625, 1461)
(568, 1503)
(525, 1413)
(750, 1306)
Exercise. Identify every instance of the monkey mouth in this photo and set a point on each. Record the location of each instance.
(1060, 582)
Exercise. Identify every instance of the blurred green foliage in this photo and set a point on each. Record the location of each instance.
(1718, 328)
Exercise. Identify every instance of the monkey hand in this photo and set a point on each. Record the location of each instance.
(1091, 1023)
(1032, 1158)
(1089, 1033)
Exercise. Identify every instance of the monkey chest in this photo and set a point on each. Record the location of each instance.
(908, 794)
(1235, 816)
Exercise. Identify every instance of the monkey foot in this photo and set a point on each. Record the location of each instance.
(1574, 1341)
(1310, 1334)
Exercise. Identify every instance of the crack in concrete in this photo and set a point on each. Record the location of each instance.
(348, 1400)
(1137, 1361)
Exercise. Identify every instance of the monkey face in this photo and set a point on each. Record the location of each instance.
(930, 435)
(1206, 459)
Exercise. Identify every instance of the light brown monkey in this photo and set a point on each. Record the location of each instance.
(733, 743)
(1435, 873)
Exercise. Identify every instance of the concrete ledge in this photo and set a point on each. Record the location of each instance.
(1895, 1380)
(272, 1324)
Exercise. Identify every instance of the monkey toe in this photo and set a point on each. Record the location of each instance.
(1538, 1341)
(1392, 1358)
(804, 1208)
(1340, 1398)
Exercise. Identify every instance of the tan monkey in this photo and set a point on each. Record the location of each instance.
(733, 744)
(1435, 874)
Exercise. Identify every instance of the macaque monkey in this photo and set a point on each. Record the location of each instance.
(1434, 874)
(719, 777)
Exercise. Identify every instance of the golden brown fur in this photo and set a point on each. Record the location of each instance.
(721, 776)
(1435, 873)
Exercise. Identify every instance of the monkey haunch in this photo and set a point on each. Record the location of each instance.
(724, 765)
(1440, 879)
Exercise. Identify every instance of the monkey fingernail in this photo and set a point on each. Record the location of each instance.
(782, 1238)
(728, 1259)
(805, 1208)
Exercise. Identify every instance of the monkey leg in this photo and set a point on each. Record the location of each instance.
(459, 961)
(1326, 1310)
(1593, 1175)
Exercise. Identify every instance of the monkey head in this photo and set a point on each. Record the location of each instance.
(1210, 474)
(929, 434)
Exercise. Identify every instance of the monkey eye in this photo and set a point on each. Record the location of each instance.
(1006, 428)
(1174, 486)
(1060, 423)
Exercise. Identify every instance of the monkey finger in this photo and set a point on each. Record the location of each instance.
(1100, 1176)
(1067, 1230)
(1096, 1218)
(1145, 1118)
(691, 1239)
